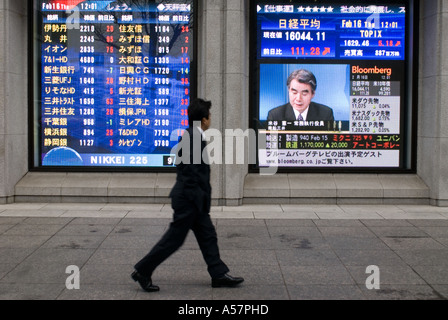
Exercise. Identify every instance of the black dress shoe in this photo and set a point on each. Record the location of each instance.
(226, 281)
(145, 282)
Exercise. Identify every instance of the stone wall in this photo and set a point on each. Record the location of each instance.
(223, 78)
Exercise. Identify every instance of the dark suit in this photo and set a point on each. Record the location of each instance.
(316, 112)
(191, 200)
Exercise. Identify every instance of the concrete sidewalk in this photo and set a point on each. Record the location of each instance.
(285, 252)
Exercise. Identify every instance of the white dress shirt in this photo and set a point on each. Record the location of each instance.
(304, 114)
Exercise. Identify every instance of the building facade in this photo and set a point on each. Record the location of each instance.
(223, 78)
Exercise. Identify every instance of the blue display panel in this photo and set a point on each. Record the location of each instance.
(366, 32)
(115, 78)
(332, 83)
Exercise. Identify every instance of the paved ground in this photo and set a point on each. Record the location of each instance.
(284, 252)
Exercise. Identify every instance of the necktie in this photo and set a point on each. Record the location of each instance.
(300, 118)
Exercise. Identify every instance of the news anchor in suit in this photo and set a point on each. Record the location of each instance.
(302, 86)
(191, 201)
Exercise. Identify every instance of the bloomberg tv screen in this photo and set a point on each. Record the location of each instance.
(332, 84)
(112, 81)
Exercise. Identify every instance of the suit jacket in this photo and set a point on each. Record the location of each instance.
(316, 112)
(193, 179)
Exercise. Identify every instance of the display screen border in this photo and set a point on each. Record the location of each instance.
(408, 154)
(34, 87)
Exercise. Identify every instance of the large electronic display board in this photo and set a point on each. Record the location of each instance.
(332, 84)
(112, 81)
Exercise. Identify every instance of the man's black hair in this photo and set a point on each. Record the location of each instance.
(303, 76)
(198, 110)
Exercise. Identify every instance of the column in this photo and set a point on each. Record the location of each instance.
(236, 98)
(210, 79)
(13, 95)
(433, 100)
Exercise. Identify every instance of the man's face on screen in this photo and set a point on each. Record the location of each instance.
(300, 95)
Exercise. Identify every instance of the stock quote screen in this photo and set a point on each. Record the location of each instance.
(332, 83)
(113, 81)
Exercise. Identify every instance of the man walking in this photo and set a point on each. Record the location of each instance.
(191, 201)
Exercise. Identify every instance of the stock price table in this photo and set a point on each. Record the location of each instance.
(115, 81)
(358, 53)
(332, 31)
